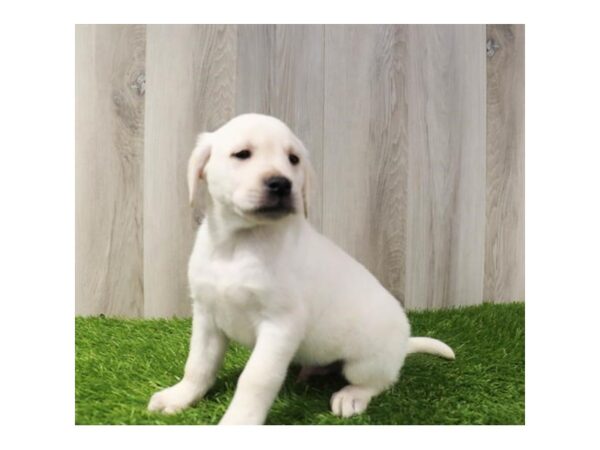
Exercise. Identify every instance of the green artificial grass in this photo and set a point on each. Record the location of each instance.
(120, 363)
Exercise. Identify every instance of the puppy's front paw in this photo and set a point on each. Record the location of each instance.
(350, 401)
(174, 399)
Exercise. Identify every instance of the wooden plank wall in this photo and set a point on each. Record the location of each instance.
(415, 134)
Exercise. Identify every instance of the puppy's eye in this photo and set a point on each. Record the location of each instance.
(242, 154)
(294, 159)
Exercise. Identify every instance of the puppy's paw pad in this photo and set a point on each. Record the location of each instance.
(172, 400)
(350, 401)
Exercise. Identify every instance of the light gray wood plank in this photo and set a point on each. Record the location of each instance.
(191, 88)
(446, 166)
(280, 73)
(365, 145)
(505, 203)
(297, 96)
(254, 68)
(109, 155)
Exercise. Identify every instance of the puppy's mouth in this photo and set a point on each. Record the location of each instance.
(275, 208)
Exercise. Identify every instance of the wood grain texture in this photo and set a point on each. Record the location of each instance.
(191, 88)
(446, 168)
(254, 68)
(298, 97)
(414, 178)
(109, 161)
(365, 142)
(505, 202)
(280, 72)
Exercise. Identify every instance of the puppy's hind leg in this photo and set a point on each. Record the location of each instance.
(367, 377)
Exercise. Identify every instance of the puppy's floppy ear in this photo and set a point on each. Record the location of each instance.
(197, 162)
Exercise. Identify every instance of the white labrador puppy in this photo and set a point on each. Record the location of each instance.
(261, 275)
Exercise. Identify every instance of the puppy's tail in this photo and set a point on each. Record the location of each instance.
(431, 346)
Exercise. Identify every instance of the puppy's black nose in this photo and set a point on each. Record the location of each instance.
(279, 186)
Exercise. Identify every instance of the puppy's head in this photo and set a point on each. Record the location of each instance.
(253, 165)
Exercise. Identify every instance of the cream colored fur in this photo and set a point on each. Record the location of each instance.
(279, 287)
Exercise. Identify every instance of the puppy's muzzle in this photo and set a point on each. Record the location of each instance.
(278, 200)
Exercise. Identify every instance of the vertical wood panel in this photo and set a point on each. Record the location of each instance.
(254, 68)
(191, 88)
(365, 142)
(298, 96)
(446, 190)
(505, 203)
(280, 72)
(109, 156)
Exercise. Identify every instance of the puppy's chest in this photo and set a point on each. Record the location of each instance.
(236, 293)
